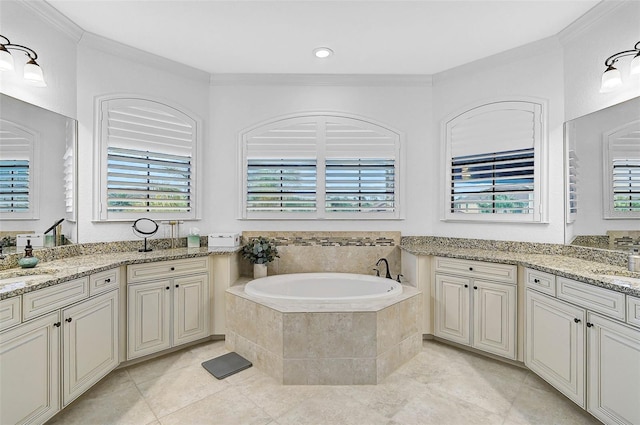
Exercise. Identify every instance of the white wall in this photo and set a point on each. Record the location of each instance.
(56, 49)
(106, 67)
(588, 46)
(534, 70)
(237, 105)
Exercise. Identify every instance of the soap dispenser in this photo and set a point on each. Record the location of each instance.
(28, 261)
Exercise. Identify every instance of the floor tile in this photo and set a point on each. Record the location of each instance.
(228, 407)
(123, 407)
(177, 389)
(535, 406)
(154, 368)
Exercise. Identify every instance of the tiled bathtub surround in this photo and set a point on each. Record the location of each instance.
(343, 252)
(324, 344)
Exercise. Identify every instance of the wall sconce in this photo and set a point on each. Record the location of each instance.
(611, 79)
(32, 71)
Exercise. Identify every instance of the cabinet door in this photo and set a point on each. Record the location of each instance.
(555, 345)
(494, 318)
(149, 315)
(452, 308)
(29, 371)
(614, 371)
(190, 308)
(90, 344)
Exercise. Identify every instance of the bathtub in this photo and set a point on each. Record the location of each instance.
(330, 287)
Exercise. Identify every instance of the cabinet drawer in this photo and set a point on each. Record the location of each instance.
(10, 314)
(166, 269)
(592, 298)
(540, 281)
(104, 281)
(48, 299)
(633, 310)
(490, 271)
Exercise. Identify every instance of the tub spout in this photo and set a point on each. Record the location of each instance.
(386, 263)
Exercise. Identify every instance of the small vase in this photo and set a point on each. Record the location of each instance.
(259, 270)
(27, 262)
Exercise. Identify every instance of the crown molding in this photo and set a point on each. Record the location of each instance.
(51, 15)
(526, 51)
(589, 19)
(142, 57)
(377, 80)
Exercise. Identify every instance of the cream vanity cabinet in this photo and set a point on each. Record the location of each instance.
(580, 339)
(475, 304)
(168, 304)
(67, 341)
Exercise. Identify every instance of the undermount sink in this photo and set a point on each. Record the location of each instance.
(622, 280)
(10, 281)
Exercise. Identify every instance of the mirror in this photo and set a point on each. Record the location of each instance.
(38, 171)
(586, 190)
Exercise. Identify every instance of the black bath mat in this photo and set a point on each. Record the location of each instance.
(226, 365)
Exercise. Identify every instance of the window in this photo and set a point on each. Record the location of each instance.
(18, 191)
(493, 163)
(622, 172)
(320, 167)
(148, 161)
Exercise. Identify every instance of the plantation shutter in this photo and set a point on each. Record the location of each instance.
(360, 167)
(16, 162)
(492, 160)
(282, 167)
(320, 166)
(622, 174)
(150, 160)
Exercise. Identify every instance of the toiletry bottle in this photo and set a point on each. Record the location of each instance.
(28, 261)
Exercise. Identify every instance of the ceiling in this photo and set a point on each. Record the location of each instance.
(368, 37)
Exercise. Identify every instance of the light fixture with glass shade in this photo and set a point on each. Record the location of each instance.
(32, 71)
(612, 78)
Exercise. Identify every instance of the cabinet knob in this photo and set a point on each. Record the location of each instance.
(68, 320)
(470, 269)
(466, 286)
(57, 324)
(167, 288)
(177, 286)
(173, 268)
(589, 325)
(107, 280)
(536, 280)
(475, 287)
(577, 320)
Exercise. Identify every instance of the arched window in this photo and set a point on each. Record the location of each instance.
(493, 162)
(148, 160)
(320, 166)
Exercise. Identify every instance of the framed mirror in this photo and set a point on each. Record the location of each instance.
(602, 177)
(38, 171)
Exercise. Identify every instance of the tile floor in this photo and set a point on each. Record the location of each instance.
(441, 385)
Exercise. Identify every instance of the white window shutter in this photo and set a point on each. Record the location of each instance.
(622, 172)
(493, 159)
(17, 167)
(149, 154)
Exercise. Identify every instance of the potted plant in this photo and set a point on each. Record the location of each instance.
(260, 251)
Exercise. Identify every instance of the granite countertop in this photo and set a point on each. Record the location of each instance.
(51, 273)
(591, 272)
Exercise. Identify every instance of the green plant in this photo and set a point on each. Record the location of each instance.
(260, 250)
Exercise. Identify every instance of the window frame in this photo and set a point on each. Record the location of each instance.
(33, 137)
(320, 155)
(610, 141)
(101, 213)
(540, 210)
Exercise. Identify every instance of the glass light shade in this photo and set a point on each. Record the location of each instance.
(611, 79)
(6, 60)
(33, 74)
(635, 65)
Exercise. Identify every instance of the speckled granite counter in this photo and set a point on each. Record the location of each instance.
(62, 270)
(545, 257)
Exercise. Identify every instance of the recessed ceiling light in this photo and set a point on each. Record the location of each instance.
(322, 52)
